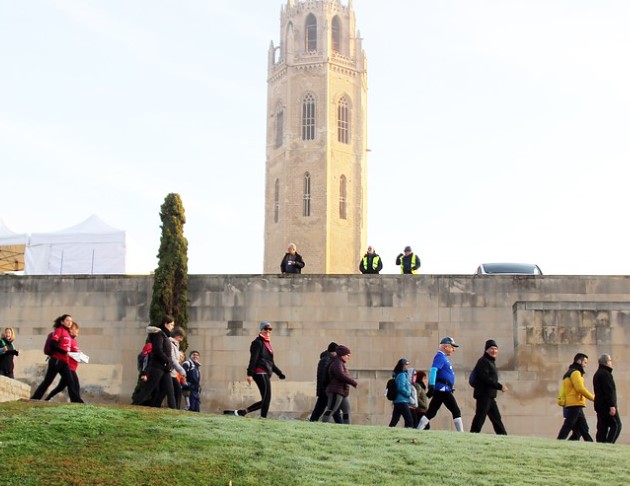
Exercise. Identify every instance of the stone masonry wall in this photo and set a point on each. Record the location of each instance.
(538, 322)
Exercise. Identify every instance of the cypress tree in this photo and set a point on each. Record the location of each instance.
(170, 281)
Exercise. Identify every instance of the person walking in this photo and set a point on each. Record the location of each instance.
(261, 367)
(575, 394)
(408, 261)
(177, 336)
(72, 365)
(608, 421)
(338, 388)
(292, 261)
(60, 342)
(158, 382)
(7, 352)
(419, 382)
(403, 394)
(371, 262)
(325, 359)
(193, 381)
(486, 386)
(442, 385)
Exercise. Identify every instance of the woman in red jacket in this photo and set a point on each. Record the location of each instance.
(338, 388)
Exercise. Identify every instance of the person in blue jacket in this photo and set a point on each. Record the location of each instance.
(442, 385)
(403, 395)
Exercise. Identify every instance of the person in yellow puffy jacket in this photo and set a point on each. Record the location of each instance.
(575, 394)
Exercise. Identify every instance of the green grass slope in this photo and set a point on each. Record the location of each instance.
(54, 444)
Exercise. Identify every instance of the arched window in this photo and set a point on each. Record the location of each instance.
(342, 197)
(336, 34)
(276, 201)
(343, 121)
(311, 33)
(308, 117)
(279, 126)
(306, 209)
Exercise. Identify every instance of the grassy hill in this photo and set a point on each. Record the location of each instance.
(56, 444)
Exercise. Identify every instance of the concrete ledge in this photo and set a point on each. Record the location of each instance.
(11, 390)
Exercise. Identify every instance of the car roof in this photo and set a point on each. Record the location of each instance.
(509, 269)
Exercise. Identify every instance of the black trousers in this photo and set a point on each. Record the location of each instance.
(446, 398)
(58, 367)
(320, 407)
(574, 420)
(401, 410)
(263, 381)
(608, 427)
(159, 383)
(62, 385)
(487, 407)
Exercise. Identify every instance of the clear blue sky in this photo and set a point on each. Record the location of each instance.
(499, 130)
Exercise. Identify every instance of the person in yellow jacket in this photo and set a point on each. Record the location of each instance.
(575, 396)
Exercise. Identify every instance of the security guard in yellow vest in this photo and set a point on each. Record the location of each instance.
(409, 262)
(371, 262)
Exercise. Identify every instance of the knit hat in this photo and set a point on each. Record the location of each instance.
(408, 248)
(332, 347)
(343, 350)
(490, 343)
(264, 324)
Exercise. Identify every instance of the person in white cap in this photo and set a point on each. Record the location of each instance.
(442, 385)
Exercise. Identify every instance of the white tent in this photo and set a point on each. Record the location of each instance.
(12, 247)
(91, 247)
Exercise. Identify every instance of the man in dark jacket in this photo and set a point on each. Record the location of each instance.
(608, 421)
(371, 262)
(486, 385)
(408, 261)
(322, 382)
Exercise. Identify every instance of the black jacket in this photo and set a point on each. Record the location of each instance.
(487, 380)
(295, 267)
(160, 357)
(604, 389)
(366, 265)
(322, 373)
(260, 357)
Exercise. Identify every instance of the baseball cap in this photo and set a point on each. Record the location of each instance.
(449, 340)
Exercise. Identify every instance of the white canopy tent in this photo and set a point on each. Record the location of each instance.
(91, 247)
(12, 246)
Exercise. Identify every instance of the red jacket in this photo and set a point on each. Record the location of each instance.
(62, 341)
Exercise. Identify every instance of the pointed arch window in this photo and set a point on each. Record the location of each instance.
(343, 121)
(336, 34)
(308, 117)
(306, 208)
(279, 126)
(311, 33)
(342, 197)
(276, 201)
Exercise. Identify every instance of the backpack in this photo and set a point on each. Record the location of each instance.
(48, 350)
(143, 357)
(472, 378)
(391, 390)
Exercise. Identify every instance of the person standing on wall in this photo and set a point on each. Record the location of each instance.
(486, 385)
(408, 261)
(442, 385)
(261, 367)
(608, 421)
(292, 261)
(575, 394)
(371, 262)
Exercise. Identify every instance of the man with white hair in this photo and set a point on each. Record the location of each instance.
(608, 421)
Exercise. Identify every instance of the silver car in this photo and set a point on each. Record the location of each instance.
(508, 269)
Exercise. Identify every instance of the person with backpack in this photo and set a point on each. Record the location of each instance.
(485, 380)
(403, 394)
(575, 396)
(419, 382)
(72, 364)
(57, 346)
(325, 358)
(159, 369)
(193, 382)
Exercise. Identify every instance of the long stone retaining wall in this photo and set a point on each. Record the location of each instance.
(538, 322)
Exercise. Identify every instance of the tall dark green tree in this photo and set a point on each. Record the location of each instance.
(170, 281)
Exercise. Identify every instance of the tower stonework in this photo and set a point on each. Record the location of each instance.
(316, 170)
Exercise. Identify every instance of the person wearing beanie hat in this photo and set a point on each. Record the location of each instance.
(325, 358)
(403, 394)
(442, 385)
(338, 388)
(261, 367)
(408, 261)
(485, 380)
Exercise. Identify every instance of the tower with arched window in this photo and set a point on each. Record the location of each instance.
(316, 180)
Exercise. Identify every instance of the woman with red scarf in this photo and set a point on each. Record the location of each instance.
(260, 369)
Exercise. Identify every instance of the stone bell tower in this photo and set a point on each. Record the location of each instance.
(316, 170)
